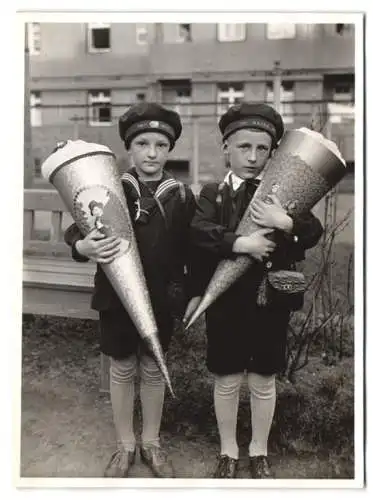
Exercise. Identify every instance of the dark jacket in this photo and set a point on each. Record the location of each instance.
(162, 238)
(241, 335)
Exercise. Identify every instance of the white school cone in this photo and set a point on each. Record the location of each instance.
(87, 179)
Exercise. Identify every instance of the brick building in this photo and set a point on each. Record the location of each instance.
(83, 76)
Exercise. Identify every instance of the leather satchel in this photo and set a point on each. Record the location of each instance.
(283, 288)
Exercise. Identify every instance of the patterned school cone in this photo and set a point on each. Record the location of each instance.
(304, 168)
(87, 179)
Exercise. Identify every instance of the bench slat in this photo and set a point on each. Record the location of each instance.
(47, 200)
(28, 225)
(36, 247)
(56, 232)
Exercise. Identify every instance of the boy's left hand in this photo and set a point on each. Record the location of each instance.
(271, 215)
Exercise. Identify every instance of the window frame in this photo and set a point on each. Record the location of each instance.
(283, 35)
(34, 37)
(181, 39)
(226, 38)
(36, 116)
(141, 28)
(182, 100)
(347, 29)
(227, 94)
(90, 28)
(341, 107)
(287, 118)
(94, 102)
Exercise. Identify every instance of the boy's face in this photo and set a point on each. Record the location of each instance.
(149, 153)
(248, 150)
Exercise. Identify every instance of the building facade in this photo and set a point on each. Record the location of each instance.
(84, 76)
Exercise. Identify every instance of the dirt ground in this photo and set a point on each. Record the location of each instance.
(67, 428)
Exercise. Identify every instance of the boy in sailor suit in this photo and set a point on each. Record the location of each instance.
(161, 210)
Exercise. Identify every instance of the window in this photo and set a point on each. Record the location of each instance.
(228, 95)
(307, 30)
(179, 169)
(343, 29)
(183, 100)
(177, 95)
(343, 91)
(286, 99)
(340, 94)
(280, 30)
(140, 97)
(231, 32)
(37, 167)
(34, 38)
(142, 35)
(184, 33)
(99, 107)
(99, 37)
(35, 109)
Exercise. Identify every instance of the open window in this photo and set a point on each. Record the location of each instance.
(99, 107)
(184, 33)
(286, 99)
(177, 94)
(98, 37)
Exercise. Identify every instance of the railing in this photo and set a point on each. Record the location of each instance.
(47, 240)
(46, 257)
(53, 284)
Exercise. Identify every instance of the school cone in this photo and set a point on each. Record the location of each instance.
(86, 177)
(303, 169)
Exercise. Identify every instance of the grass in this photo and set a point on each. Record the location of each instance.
(313, 422)
(67, 424)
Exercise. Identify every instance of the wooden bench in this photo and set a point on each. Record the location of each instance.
(54, 284)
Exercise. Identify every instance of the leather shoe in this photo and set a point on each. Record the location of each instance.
(227, 468)
(157, 461)
(260, 468)
(120, 463)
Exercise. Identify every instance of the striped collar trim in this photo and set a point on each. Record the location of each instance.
(163, 187)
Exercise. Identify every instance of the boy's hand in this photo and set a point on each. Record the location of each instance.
(271, 214)
(191, 307)
(256, 245)
(99, 248)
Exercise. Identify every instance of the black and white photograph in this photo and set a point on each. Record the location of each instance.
(192, 259)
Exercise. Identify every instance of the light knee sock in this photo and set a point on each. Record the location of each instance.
(122, 393)
(262, 401)
(152, 389)
(226, 399)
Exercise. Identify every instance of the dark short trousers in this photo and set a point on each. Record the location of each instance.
(253, 340)
(119, 337)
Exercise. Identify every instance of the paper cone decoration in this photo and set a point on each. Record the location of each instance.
(87, 179)
(302, 170)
